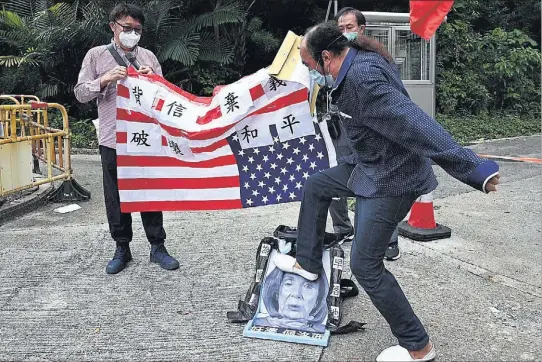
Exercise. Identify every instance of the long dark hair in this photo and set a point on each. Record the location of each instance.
(328, 36)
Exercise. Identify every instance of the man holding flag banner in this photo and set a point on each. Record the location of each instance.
(102, 67)
(253, 143)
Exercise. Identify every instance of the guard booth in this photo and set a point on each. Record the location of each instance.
(415, 57)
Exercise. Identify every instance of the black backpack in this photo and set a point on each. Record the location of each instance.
(247, 308)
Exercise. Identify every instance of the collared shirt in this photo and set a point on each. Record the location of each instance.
(393, 140)
(97, 62)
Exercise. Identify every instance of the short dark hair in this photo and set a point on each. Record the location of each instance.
(360, 18)
(123, 10)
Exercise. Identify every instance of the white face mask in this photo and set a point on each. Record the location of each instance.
(129, 40)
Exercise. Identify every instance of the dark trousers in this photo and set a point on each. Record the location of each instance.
(338, 210)
(375, 222)
(120, 223)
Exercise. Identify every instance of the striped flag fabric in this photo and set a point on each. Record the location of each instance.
(254, 143)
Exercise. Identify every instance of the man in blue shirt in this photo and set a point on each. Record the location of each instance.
(393, 142)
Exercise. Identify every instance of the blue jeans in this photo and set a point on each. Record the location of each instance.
(376, 221)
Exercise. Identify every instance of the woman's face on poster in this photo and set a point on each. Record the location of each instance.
(297, 297)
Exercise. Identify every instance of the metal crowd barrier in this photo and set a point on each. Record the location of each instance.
(26, 139)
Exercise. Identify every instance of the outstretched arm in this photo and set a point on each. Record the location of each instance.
(388, 111)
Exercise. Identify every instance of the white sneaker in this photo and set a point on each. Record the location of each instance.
(286, 263)
(400, 354)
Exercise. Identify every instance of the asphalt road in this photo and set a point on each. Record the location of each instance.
(479, 294)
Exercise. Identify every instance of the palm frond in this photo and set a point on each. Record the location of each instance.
(56, 34)
(215, 50)
(42, 15)
(264, 39)
(11, 20)
(63, 14)
(48, 91)
(93, 16)
(181, 49)
(225, 14)
(26, 8)
(255, 24)
(10, 61)
(13, 37)
(161, 15)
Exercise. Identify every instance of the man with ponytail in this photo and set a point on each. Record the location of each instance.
(351, 23)
(393, 142)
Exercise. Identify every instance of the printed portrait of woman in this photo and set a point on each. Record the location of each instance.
(293, 302)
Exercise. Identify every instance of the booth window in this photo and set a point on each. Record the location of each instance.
(382, 35)
(412, 55)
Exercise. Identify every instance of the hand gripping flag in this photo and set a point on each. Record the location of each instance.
(427, 15)
(254, 143)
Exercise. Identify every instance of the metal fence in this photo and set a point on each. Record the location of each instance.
(26, 139)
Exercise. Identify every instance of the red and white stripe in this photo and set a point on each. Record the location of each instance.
(208, 180)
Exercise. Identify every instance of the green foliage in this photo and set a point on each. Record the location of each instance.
(37, 39)
(261, 39)
(203, 78)
(491, 72)
(50, 38)
(512, 75)
(469, 128)
(83, 131)
(485, 16)
(83, 134)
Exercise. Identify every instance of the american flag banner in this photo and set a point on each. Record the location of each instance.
(253, 143)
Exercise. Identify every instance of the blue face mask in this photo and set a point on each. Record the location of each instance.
(317, 77)
(322, 81)
(330, 82)
(351, 35)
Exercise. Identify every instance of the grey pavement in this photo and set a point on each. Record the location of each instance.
(479, 293)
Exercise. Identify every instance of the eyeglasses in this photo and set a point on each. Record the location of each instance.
(128, 29)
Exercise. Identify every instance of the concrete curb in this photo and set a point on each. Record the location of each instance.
(26, 204)
(85, 151)
(473, 143)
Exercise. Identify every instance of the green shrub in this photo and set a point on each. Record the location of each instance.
(465, 129)
(83, 132)
(498, 71)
